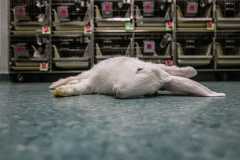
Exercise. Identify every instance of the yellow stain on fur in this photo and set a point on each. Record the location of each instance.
(58, 93)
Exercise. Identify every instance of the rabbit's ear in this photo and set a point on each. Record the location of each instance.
(182, 85)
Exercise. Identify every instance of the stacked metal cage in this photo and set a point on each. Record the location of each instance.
(152, 14)
(69, 36)
(112, 44)
(192, 14)
(111, 13)
(154, 47)
(228, 14)
(28, 16)
(69, 16)
(228, 34)
(195, 49)
(70, 52)
(228, 50)
(29, 52)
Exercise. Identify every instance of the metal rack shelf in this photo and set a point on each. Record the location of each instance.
(195, 57)
(70, 59)
(29, 59)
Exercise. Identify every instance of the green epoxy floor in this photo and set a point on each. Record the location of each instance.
(36, 126)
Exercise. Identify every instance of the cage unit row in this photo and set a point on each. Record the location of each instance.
(38, 53)
(199, 49)
(49, 16)
(155, 13)
(69, 16)
(143, 14)
(63, 35)
(222, 14)
(73, 52)
(153, 46)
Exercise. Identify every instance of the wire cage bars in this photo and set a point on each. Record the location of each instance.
(70, 15)
(195, 49)
(154, 47)
(228, 14)
(228, 49)
(70, 52)
(28, 52)
(110, 45)
(28, 14)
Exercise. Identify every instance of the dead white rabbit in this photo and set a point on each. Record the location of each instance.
(125, 77)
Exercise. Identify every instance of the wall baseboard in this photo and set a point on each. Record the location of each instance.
(4, 77)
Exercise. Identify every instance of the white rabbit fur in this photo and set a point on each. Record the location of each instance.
(125, 77)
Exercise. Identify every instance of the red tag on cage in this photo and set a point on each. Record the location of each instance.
(191, 7)
(170, 25)
(19, 49)
(148, 7)
(209, 25)
(21, 11)
(46, 29)
(149, 46)
(88, 28)
(63, 12)
(107, 7)
(169, 62)
(44, 65)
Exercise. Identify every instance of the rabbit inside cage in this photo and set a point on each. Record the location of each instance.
(29, 52)
(69, 10)
(30, 11)
(30, 47)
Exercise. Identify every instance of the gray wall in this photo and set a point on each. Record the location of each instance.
(4, 36)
